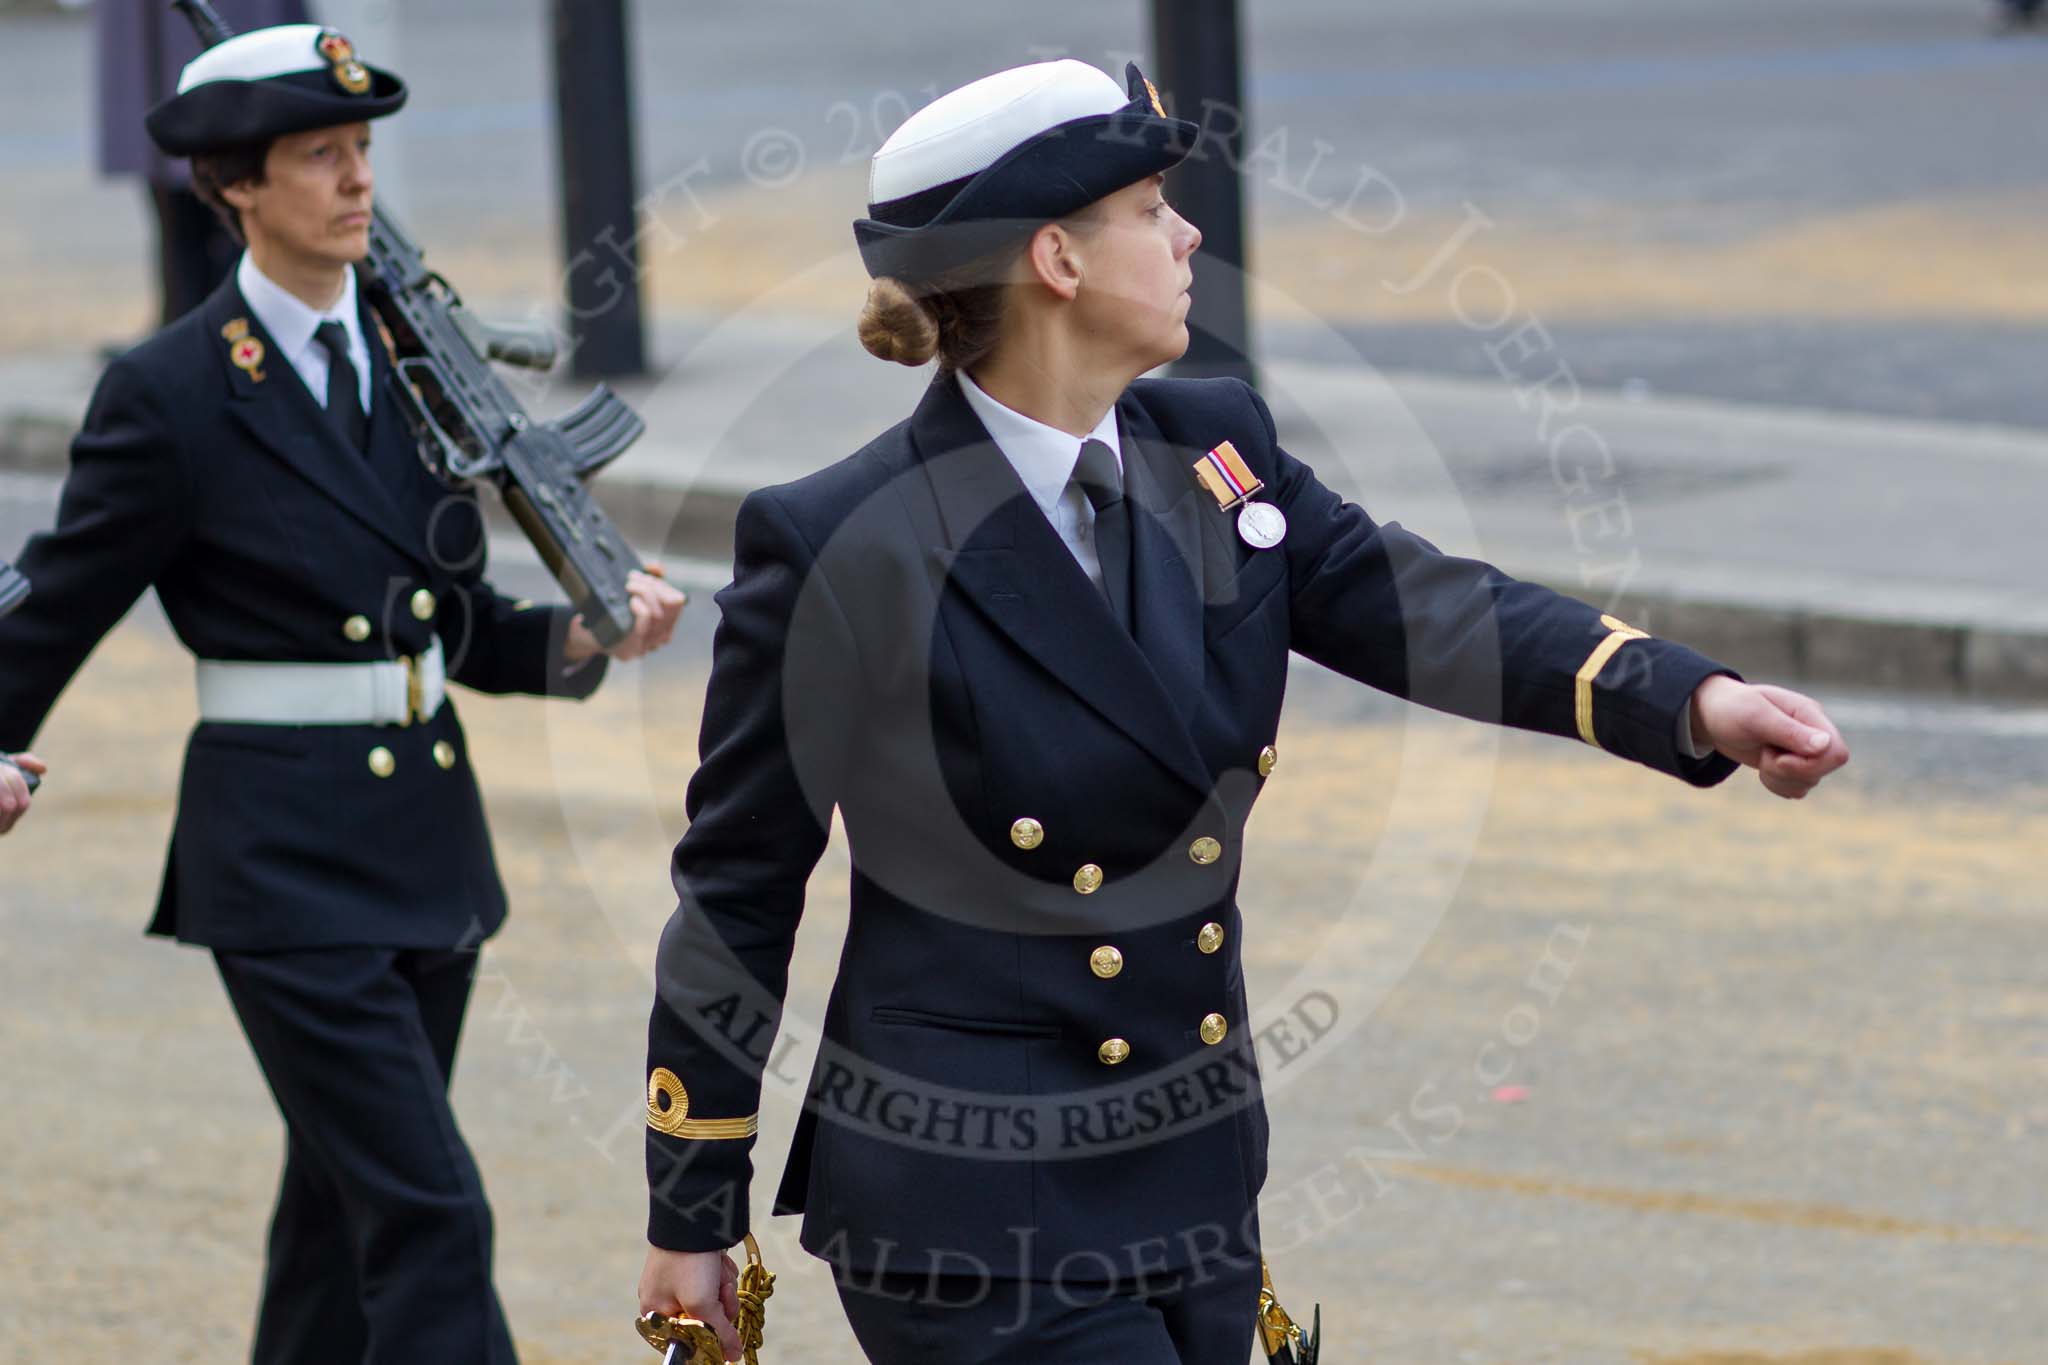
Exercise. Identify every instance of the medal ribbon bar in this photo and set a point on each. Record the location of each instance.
(1227, 477)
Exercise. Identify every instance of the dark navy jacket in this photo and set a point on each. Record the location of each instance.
(266, 536)
(907, 639)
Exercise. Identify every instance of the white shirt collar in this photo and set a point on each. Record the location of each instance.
(1044, 457)
(286, 317)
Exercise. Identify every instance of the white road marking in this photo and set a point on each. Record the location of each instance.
(2015, 721)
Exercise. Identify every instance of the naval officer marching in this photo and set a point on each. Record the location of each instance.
(330, 845)
(1031, 645)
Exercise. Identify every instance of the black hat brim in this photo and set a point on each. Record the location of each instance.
(222, 114)
(1060, 171)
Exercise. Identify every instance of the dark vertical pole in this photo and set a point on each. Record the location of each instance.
(1201, 79)
(594, 122)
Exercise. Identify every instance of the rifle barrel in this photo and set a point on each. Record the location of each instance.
(206, 22)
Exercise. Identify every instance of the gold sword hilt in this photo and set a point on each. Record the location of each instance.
(689, 1341)
(1279, 1334)
(686, 1341)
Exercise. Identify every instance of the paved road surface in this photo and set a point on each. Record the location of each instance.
(1835, 203)
(1783, 1065)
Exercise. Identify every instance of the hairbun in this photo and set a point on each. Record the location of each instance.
(895, 326)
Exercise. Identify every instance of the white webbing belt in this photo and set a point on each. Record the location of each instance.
(393, 692)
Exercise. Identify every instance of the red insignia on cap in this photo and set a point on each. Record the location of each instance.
(336, 48)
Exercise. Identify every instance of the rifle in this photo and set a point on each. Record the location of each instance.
(471, 429)
(13, 592)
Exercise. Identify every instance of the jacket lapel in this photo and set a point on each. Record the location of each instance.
(1166, 561)
(1003, 557)
(394, 460)
(271, 403)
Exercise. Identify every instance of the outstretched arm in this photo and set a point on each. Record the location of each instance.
(1380, 604)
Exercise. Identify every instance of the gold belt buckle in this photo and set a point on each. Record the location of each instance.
(415, 693)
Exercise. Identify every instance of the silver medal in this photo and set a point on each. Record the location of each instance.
(1261, 525)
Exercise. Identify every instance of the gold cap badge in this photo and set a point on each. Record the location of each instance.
(350, 74)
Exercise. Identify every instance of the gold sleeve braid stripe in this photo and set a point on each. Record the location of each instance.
(668, 1111)
(1597, 660)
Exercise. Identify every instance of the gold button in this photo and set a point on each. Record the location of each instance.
(356, 628)
(381, 762)
(1105, 961)
(1112, 1051)
(1210, 938)
(1205, 850)
(1269, 759)
(1027, 833)
(423, 605)
(444, 753)
(1088, 880)
(1214, 1026)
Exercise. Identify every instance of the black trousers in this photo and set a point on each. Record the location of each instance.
(380, 1247)
(1203, 1316)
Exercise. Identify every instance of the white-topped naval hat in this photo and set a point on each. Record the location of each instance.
(985, 165)
(268, 82)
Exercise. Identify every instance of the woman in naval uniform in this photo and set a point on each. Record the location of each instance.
(1031, 644)
(329, 847)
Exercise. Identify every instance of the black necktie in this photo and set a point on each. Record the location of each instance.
(1103, 485)
(344, 397)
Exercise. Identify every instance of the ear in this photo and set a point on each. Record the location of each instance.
(1053, 259)
(240, 196)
